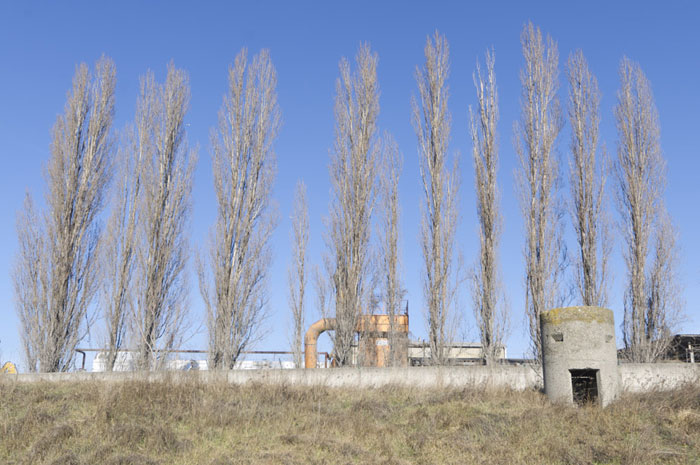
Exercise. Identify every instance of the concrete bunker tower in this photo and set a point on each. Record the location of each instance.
(579, 355)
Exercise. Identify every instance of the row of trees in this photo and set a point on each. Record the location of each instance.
(652, 303)
(133, 270)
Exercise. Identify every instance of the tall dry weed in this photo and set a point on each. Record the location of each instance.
(168, 422)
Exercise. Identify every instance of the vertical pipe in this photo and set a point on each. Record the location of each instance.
(692, 353)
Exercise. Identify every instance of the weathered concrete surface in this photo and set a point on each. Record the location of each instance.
(634, 377)
(641, 377)
(502, 376)
(579, 338)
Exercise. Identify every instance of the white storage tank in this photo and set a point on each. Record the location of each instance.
(125, 361)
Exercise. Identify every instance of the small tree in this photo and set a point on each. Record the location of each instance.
(297, 273)
(440, 208)
(538, 176)
(29, 277)
(489, 305)
(243, 165)
(587, 177)
(56, 267)
(390, 259)
(353, 179)
(119, 246)
(652, 294)
(164, 207)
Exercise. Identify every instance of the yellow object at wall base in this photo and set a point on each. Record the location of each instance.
(9, 368)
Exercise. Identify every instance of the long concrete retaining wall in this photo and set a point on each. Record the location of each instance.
(513, 377)
(634, 377)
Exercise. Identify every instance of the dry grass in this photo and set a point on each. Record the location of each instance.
(192, 423)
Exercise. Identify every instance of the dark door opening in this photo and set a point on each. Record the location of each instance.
(584, 385)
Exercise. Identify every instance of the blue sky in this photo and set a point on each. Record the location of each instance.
(40, 45)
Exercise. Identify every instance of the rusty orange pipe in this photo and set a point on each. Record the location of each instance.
(310, 338)
(381, 324)
(365, 324)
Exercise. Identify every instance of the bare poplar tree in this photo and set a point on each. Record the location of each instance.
(243, 163)
(641, 175)
(489, 305)
(164, 207)
(431, 121)
(587, 180)
(390, 260)
(56, 268)
(119, 244)
(30, 279)
(353, 179)
(538, 176)
(664, 301)
(297, 273)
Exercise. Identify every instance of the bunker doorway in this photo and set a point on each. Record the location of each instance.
(584, 386)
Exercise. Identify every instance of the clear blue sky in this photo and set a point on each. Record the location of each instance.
(40, 46)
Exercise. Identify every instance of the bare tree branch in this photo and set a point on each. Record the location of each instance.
(56, 270)
(164, 207)
(244, 167)
(587, 177)
(30, 279)
(353, 179)
(664, 301)
(120, 241)
(538, 177)
(390, 259)
(431, 121)
(487, 292)
(297, 274)
(641, 176)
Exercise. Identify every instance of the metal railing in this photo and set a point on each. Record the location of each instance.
(326, 355)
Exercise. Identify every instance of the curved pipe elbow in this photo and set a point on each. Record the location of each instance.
(310, 338)
(315, 330)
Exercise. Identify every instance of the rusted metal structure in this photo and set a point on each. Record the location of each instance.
(374, 331)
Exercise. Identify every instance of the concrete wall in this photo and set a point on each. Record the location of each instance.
(455, 350)
(634, 377)
(506, 376)
(640, 377)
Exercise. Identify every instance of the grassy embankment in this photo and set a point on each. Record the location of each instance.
(191, 423)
